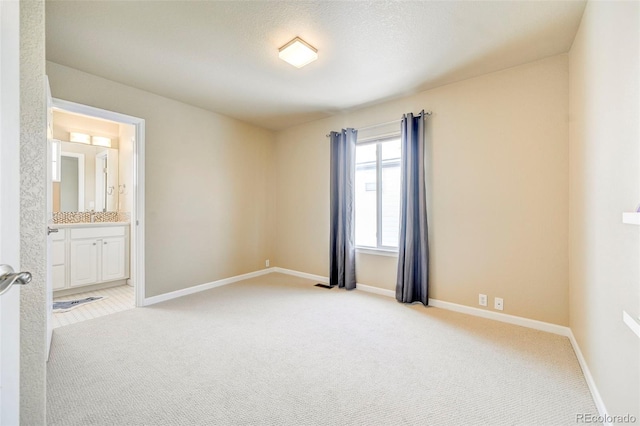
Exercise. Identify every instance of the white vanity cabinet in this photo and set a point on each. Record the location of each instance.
(95, 254)
(83, 262)
(59, 259)
(113, 258)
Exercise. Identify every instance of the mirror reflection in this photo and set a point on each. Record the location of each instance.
(91, 161)
(88, 179)
(71, 187)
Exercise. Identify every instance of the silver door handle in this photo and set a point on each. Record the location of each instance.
(51, 230)
(8, 277)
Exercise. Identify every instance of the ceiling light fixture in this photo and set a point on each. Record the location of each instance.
(298, 53)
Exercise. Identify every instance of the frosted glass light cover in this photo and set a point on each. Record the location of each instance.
(298, 53)
(101, 141)
(79, 137)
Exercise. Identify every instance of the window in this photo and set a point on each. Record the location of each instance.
(377, 193)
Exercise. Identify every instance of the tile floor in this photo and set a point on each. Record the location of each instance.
(116, 299)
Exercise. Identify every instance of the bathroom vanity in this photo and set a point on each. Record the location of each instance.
(89, 253)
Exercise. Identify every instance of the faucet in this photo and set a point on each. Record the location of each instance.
(93, 215)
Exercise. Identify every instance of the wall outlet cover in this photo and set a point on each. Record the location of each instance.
(482, 299)
(498, 304)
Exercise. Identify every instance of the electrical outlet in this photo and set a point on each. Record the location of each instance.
(266, 263)
(498, 303)
(482, 299)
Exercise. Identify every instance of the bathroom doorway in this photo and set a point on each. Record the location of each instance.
(96, 221)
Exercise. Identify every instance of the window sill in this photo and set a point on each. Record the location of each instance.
(377, 251)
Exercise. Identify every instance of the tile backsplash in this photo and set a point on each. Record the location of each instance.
(85, 217)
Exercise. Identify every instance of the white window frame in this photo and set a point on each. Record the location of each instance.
(379, 249)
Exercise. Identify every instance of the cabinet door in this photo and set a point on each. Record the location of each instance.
(113, 259)
(83, 265)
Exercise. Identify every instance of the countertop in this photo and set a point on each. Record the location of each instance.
(87, 224)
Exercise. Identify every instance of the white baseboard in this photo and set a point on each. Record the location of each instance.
(497, 316)
(376, 290)
(325, 280)
(602, 410)
(511, 319)
(202, 287)
(313, 277)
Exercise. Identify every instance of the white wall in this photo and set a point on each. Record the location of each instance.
(498, 201)
(605, 181)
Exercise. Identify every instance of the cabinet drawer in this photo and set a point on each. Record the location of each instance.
(58, 236)
(58, 253)
(98, 232)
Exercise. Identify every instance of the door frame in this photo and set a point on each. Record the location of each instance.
(9, 209)
(137, 222)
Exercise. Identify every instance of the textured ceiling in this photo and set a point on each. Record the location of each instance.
(223, 56)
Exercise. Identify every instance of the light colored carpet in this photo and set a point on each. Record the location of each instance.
(275, 350)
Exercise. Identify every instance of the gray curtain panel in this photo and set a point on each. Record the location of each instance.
(343, 252)
(413, 249)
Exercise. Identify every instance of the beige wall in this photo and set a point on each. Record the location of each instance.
(56, 196)
(605, 181)
(498, 201)
(207, 183)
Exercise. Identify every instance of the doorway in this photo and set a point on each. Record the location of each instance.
(91, 240)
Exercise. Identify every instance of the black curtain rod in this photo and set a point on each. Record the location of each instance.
(373, 126)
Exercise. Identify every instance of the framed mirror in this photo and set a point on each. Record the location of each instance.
(71, 187)
(88, 178)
